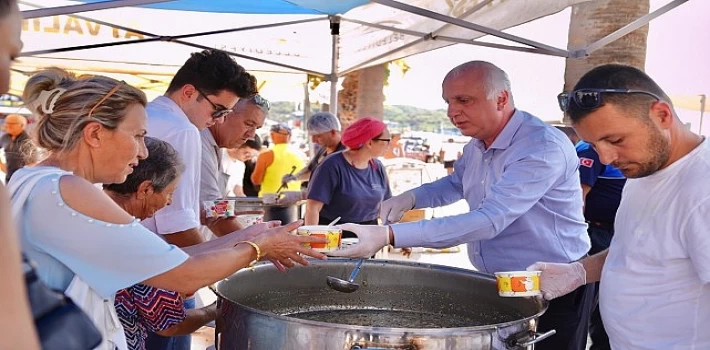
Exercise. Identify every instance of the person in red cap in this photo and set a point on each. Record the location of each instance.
(351, 184)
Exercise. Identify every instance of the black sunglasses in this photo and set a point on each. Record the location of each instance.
(591, 98)
(219, 111)
(379, 139)
(262, 102)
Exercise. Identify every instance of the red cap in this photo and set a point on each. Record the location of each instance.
(361, 131)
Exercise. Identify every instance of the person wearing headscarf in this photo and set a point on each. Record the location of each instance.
(351, 184)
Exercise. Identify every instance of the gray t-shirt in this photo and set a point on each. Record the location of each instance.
(213, 179)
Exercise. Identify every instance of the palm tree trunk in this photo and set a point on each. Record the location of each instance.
(371, 98)
(594, 20)
(347, 99)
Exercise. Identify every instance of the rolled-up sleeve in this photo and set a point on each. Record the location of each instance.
(523, 183)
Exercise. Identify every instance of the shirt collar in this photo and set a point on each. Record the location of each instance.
(505, 138)
(167, 102)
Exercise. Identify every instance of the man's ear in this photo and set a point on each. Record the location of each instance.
(187, 92)
(502, 100)
(94, 134)
(145, 189)
(662, 113)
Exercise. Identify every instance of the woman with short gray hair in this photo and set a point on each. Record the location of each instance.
(144, 309)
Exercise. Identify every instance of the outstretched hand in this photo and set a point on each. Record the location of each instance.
(279, 246)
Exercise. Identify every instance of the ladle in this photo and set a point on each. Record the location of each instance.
(342, 285)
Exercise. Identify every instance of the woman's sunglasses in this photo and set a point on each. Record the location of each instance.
(592, 98)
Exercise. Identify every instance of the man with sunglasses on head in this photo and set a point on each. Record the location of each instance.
(519, 177)
(200, 95)
(238, 127)
(656, 273)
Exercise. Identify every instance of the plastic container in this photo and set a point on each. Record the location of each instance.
(518, 283)
(219, 208)
(333, 234)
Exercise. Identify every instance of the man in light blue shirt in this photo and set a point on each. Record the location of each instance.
(519, 177)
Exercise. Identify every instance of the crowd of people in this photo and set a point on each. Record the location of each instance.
(615, 219)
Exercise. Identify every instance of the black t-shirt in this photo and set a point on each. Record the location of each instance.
(14, 154)
(248, 187)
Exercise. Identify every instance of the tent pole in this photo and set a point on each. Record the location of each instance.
(335, 34)
(72, 9)
(468, 25)
(497, 46)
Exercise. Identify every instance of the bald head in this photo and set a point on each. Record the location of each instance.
(16, 118)
(494, 79)
(15, 124)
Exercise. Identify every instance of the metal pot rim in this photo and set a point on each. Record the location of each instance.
(424, 331)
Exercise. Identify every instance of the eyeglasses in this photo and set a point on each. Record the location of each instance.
(262, 102)
(592, 98)
(385, 140)
(219, 111)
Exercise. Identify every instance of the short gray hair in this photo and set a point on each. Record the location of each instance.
(322, 122)
(495, 80)
(161, 168)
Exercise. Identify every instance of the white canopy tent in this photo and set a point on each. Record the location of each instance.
(145, 46)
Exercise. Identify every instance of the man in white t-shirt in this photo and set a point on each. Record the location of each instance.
(656, 274)
(202, 93)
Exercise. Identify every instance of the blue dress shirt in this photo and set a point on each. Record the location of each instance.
(525, 198)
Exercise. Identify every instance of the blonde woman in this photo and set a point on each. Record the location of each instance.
(93, 130)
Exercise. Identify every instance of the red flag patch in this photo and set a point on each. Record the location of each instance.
(586, 162)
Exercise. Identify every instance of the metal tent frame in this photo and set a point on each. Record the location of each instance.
(333, 75)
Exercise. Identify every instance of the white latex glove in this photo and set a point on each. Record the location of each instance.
(371, 240)
(557, 280)
(393, 209)
(288, 178)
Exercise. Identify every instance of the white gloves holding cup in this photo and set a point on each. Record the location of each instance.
(393, 209)
(557, 280)
(371, 240)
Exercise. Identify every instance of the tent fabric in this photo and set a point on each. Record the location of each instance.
(313, 7)
(370, 34)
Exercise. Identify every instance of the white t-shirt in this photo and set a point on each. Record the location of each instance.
(167, 122)
(235, 169)
(654, 292)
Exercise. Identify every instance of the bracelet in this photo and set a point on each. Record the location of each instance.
(256, 247)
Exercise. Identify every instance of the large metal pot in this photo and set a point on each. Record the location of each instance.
(259, 309)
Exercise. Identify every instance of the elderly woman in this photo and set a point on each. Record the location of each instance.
(143, 309)
(85, 244)
(351, 184)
